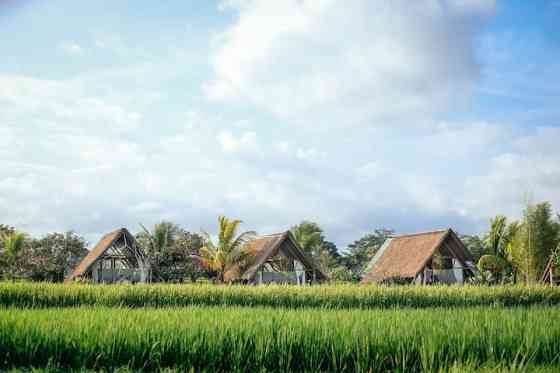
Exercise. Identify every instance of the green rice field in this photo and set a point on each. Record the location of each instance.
(324, 296)
(276, 328)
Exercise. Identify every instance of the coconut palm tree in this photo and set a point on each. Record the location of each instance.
(156, 243)
(496, 239)
(499, 242)
(309, 236)
(230, 250)
(13, 244)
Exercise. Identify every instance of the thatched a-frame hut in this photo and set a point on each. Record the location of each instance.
(421, 258)
(550, 275)
(276, 258)
(115, 258)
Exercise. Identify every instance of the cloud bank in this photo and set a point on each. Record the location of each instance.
(351, 62)
(337, 112)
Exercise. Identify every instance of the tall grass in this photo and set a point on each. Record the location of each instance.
(256, 339)
(327, 296)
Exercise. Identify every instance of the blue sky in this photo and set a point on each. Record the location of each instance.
(356, 114)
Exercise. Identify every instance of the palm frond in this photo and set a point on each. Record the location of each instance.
(230, 249)
(230, 230)
(13, 243)
(222, 227)
(243, 239)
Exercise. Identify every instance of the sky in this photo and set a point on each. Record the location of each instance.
(355, 114)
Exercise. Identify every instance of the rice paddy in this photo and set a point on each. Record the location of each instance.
(36, 295)
(339, 328)
(249, 339)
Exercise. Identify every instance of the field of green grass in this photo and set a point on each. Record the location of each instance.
(248, 339)
(277, 328)
(324, 296)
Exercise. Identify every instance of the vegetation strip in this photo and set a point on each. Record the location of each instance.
(325, 296)
(249, 339)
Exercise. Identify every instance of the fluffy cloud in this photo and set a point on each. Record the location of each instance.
(245, 143)
(62, 105)
(347, 62)
(527, 172)
(71, 48)
(136, 143)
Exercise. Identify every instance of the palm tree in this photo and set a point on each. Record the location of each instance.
(156, 244)
(497, 236)
(309, 236)
(499, 241)
(161, 237)
(230, 249)
(13, 244)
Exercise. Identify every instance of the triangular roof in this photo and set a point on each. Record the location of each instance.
(265, 247)
(102, 246)
(405, 256)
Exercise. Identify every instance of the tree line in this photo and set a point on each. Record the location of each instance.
(518, 250)
(509, 252)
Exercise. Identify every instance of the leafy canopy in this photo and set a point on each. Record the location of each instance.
(230, 250)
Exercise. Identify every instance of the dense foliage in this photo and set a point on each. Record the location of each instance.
(361, 251)
(230, 250)
(169, 249)
(311, 238)
(256, 339)
(325, 296)
(517, 251)
(48, 258)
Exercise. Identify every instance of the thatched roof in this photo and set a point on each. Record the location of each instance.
(406, 256)
(102, 246)
(263, 248)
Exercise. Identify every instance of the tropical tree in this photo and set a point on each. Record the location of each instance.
(12, 245)
(156, 243)
(179, 262)
(556, 257)
(309, 236)
(498, 257)
(496, 239)
(53, 256)
(169, 250)
(537, 236)
(230, 249)
(362, 250)
(324, 253)
(476, 246)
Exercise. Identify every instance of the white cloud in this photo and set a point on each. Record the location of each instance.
(62, 104)
(71, 48)
(114, 147)
(530, 167)
(247, 142)
(346, 62)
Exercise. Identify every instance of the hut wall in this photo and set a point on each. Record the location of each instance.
(268, 276)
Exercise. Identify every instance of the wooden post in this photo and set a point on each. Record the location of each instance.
(113, 270)
(551, 279)
(100, 279)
